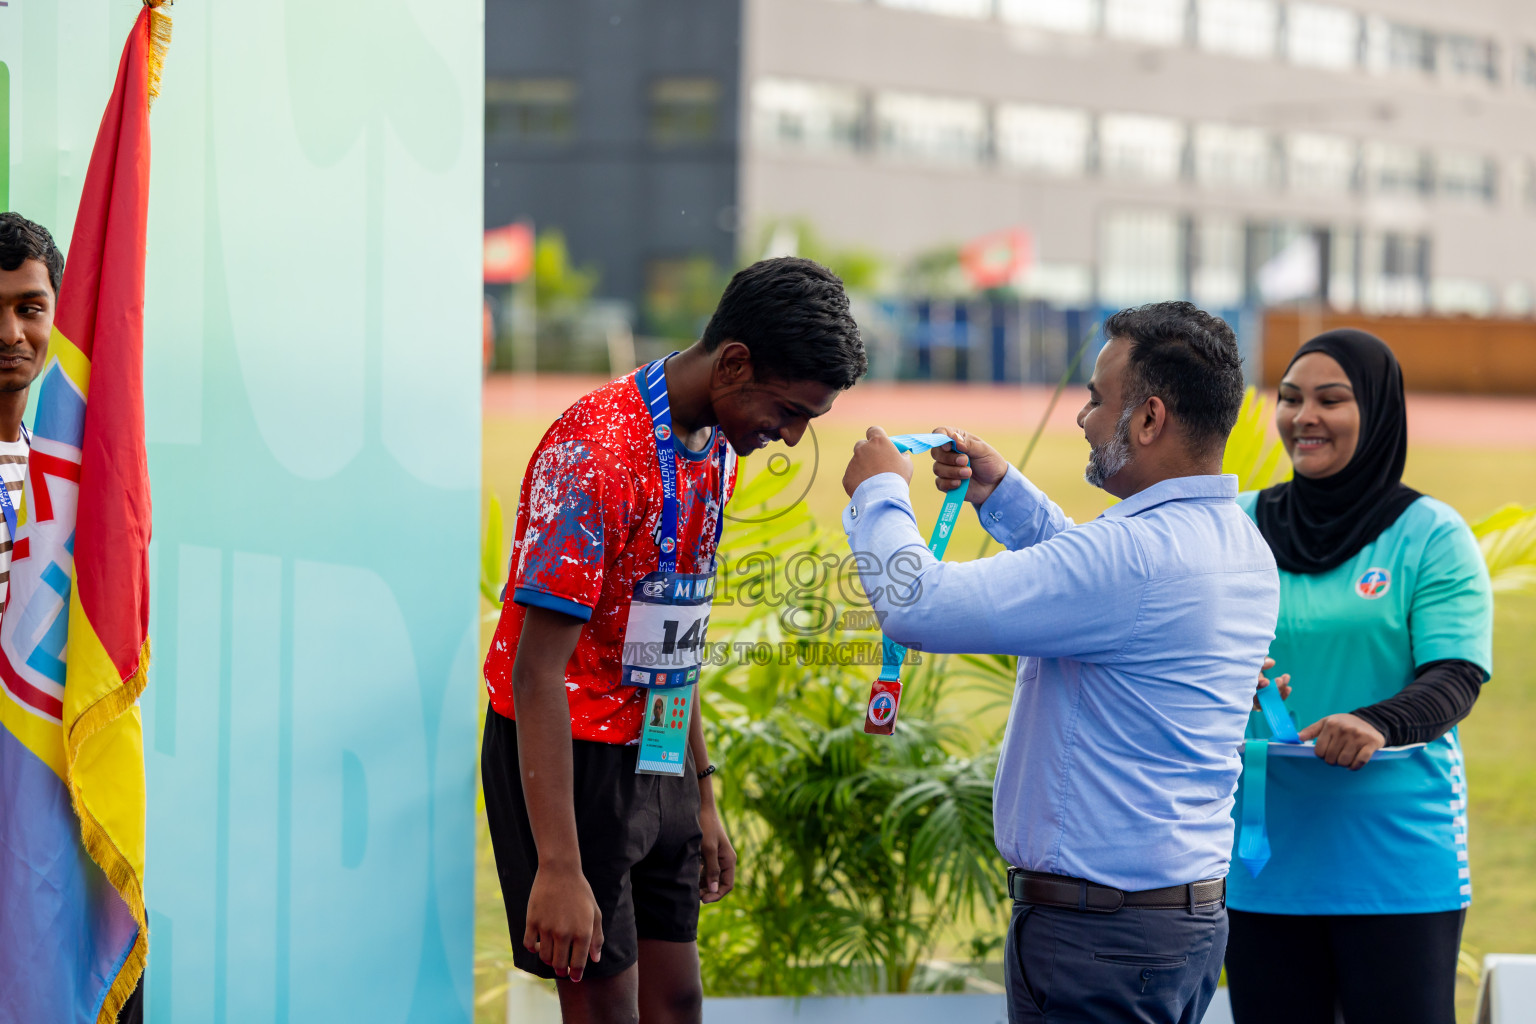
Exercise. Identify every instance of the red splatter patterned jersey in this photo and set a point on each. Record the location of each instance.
(588, 517)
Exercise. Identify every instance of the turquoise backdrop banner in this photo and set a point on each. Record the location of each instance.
(312, 340)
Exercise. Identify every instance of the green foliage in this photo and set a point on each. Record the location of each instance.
(559, 287)
(861, 269)
(681, 295)
(858, 852)
(493, 560)
(1251, 454)
(1508, 541)
(493, 566)
(935, 273)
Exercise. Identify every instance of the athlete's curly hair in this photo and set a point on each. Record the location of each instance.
(22, 240)
(792, 314)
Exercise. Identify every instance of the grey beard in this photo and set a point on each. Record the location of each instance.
(1109, 458)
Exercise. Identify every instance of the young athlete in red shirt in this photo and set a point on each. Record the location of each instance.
(602, 867)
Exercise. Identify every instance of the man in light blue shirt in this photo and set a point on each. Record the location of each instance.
(1141, 636)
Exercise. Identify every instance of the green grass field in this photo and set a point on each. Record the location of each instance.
(1501, 759)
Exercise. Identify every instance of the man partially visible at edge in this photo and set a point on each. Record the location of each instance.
(1141, 636)
(31, 270)
(603, 869)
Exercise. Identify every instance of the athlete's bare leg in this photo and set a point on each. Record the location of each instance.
(601, 1000)
(670, 990)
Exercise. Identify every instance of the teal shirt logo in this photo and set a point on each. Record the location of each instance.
(1373, 583)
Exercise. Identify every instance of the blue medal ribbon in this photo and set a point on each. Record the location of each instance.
(893, 654)
(1277, 716)
(1253, 839)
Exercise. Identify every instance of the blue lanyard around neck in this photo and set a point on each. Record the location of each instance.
(893, 653)
(655, 376)
(6, 505)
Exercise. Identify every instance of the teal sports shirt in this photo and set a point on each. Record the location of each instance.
(1392, 837)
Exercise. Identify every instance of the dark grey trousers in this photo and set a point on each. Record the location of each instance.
(1135, 965)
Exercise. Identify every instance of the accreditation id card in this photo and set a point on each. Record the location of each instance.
(664, 732)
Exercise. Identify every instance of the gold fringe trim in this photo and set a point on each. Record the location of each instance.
(159, 43)
(99, 844)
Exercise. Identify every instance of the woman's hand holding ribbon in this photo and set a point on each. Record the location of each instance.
(1284, 682)
(976, 461)
(1345, 740)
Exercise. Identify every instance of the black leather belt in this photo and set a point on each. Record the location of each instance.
(1081, 894)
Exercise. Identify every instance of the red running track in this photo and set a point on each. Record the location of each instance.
(1482, 421)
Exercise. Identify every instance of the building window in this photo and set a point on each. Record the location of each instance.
(1162, 22)
(1343, 246)
(1145, 148)
(1244, 28)
(1394, 47)
(684, 111)
(1466, 176)
(1288, 263)
(1217, 280)
(1516, 300)
(1322, 36)
(1141, 257)
(1456, 296)
(931, 128)
(1062, 284)
(1321, 164)
(1080, 16)
(1229, 157)
(1527, 69)
(951, 8)
(792, 114)
(1394, 273)
(538, 110)
(1396, 170)
(1047, 140)
(1470, 58)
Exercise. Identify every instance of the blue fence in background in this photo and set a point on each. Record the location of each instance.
(1004, 341)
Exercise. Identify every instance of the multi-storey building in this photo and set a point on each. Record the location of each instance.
(616, 122)
(1370, 153)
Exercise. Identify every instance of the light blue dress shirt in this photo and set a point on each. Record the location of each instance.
(1142, 634)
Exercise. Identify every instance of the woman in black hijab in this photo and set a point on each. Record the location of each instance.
(1385, 634)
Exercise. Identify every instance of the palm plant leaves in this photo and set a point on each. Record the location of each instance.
(1508, 542)
(1251, 454)
(492, 554)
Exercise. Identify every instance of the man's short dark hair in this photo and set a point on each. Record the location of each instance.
(1189, 359)
(22, 240)
(792, 314)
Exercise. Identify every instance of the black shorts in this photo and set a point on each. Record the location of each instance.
(638, 835)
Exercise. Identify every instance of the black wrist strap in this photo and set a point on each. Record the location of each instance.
(706, 773)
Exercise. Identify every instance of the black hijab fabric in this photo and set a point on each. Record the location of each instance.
(1314, 525)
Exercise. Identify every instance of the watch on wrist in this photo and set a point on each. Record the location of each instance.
(706, 773)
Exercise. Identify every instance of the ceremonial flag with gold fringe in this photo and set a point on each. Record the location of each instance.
(74, 638)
